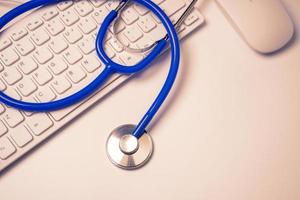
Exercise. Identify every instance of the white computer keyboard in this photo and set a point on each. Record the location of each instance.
(50, 54)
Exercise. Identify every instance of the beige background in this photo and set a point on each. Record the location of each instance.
(231, 130)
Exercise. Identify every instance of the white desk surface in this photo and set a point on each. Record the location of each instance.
(230, 130)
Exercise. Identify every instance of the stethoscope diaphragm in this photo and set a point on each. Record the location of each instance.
(126, 151)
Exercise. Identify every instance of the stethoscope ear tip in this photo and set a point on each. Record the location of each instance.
(126, 151)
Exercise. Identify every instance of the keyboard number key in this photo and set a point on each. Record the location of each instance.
(55, 27)
(40, 37)
(49, 14)
(69, 17)
(34, 24)
(20, 33)
(83, 8)
(64, 5)
(87, 25)
(24, 47)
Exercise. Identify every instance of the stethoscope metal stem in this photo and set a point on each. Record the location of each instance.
(177, 25)
(185, 14)
(121, 5)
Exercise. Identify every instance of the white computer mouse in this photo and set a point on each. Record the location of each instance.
(264, 24)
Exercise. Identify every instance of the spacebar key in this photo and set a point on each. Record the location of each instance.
(60, 114)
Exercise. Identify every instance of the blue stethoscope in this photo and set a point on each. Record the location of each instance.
(128, 146)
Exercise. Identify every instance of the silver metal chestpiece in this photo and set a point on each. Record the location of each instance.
(126, 151)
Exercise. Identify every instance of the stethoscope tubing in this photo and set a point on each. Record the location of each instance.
(111, 66)
(174, 66)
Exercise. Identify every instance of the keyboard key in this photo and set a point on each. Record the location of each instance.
(99, 14)
(10, 91)
(64, 5)
(140, 9)
(157, 2)
(3, 128)
(24, 47)
(119, 26)
(111, 5)
(27, 65)
(57, 66)
(69, 17)
(97, 3)
(50, 13)
(55, 27)
(42, 76)
(129, 16)
(20, 33)
(4, 43)
(108, 50)
(146, 24)
(2, 109)
(6, 148)
(61, 85)
(115, 44)
(9, 56)
(45, 95)
(72, 35)
(34, 24)
(76, 74)
(42, 55)
(13, 117)
(171, 7)
(133, 33)
(11, 75)
(60, 114)
(58, 45)
(87, 45)
(39, 123)
(87, 25)
(21, 136)
(192, 18)
(72, 55)
(83, 8)
(144, 42)
(40, 37)
(26, 86)
(91, 63)
(130, 59)
(2, 85)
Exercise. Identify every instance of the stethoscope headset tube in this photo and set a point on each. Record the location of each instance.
(111, 66)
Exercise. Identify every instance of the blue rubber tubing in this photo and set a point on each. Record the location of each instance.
(111, 67)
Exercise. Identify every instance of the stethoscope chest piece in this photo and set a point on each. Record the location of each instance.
(126, 151)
